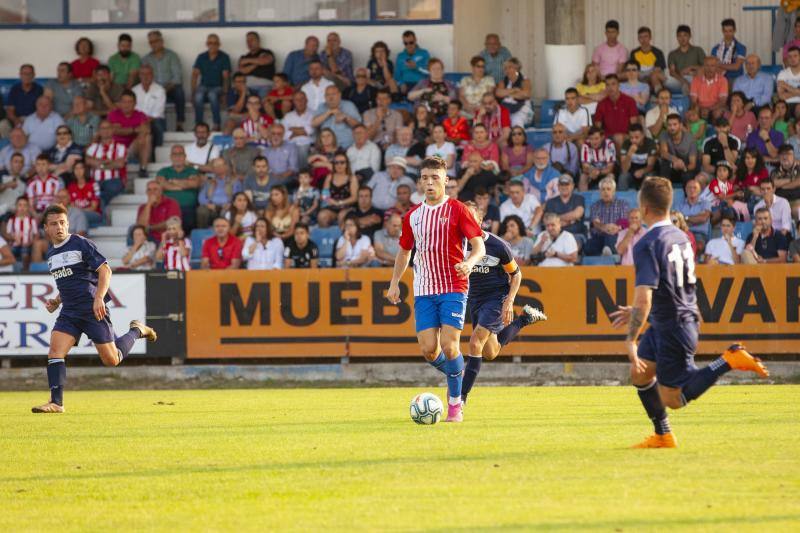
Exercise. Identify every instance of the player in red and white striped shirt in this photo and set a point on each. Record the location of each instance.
(175, 248)
(20, 231)
(598, 156)
(108, 160)
(43, 186)
(438, 229)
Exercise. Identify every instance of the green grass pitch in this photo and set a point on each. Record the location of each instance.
(551, 458)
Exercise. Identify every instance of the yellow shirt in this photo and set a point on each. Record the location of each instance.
(584, 90)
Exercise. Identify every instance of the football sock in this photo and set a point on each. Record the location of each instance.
(651, 400)
(454, 368)
(56, 377)
(471, 368)
(703, 379)
(439, 362)
(508, 333)
(124, 343)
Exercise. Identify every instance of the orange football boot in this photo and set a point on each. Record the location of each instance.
(738, 358)
(667, 440)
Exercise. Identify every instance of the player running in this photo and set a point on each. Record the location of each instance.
(665, 297)
(438, 228)
(493, 285)
(82, 276)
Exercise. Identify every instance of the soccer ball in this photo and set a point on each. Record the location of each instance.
(426, 408)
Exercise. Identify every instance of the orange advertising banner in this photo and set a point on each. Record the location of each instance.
(344, 312)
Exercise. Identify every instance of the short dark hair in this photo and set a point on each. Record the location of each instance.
(656, 193)
(729, 217)
(611, 76)
(103, 68)
(124, 37)
(571, 90)
(66, 64)
(254, 34)
(202, 125)
(87, 41)
(769, 181)
(518, 221)
(794, 48)
(593, 130)
(260, 158)
(683, 28)
(475, 60)
(457, 103)
(612, 25)
(632, 62)
(481, 191)
(53, 209)
(281, 75)
(434, 162)
(365, 188)
(315, 60)
(635, 127)
(239, 75)
(763, 210)
(302, 225)
(42, 157)
(644, 29)
(16, 154)
(729, 23)
(409, 33)
(128, 92)
(783, 149)
(674, 116)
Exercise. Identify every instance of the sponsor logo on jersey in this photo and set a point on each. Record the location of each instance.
(62, 272)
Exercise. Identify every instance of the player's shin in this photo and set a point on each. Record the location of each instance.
(703, 379)
(508, 333)
(56, 377)
(472, 367)
(654, 407)
(125, 342)
(454, 368)
(439, 362)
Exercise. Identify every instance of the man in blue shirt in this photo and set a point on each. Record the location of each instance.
(495, 55)
(757, 86)
(211, 75)
(730, 52)
(697, 212)
(339, 115)
(22, 96)
(412, 63)
(296, 64)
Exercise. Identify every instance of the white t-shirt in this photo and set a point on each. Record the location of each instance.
(200, 156)
(524, 211)
(719, 249)
(366, 157)
(316, 92)
(443, 151)
(263, 257)
(152, 102)
(564, 244)
(353, 251)
(5, 268)
(792, 79)
(248, 220)
(574, 122)
(651, 117)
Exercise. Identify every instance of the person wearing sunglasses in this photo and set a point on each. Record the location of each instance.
(634, 88)
(65, 152)
(412, 63)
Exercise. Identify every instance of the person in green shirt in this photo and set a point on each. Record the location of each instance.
(124, 65)
(181, 183)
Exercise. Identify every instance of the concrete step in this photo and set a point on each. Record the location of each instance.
(123, 215)
(140, 185)
(162, 153)
(152, 168)
(109, 231)
(179, 136)
(111, 247)
(129, 199)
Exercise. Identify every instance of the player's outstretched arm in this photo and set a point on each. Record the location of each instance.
(103, 283)
(400, 265)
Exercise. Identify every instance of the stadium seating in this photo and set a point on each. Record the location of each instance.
(547, 113)
(197, 237)
(600, 260)
(39, 267)
(538, 138)
(743, 229)
(681, 103)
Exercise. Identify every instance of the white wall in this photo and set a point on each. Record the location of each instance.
(46, 48)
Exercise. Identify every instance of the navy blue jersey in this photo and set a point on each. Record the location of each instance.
(490, 276)
(74, 264)
(664, 261)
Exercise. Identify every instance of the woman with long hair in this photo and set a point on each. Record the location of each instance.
(242, 215)
(340, 189)
(591, 88)
(280, 213)
(321, 159)
(749, 175)
(353, 249)
(517, 157)
(513, 231)
(381, 68)
(472, 88)
(84, 194)
(263, 250)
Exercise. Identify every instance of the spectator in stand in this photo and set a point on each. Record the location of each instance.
(515, 92)
(722, 146)
(442, 148)
(282, 214)
(491, 213)
(679, 221)
(564, 155)
(361, 93)
(598, 158)
(516, 158)
(495, 55)
(367, 217)
(337, 62)
(481, 144)
(18, 144)
(794, 42)
(382, 121)
(222, 250)
(132, 128)
(168, 73)
(65, 153)
(634, 87)
(412, 63)
(12, 186)
(575, 118)
(384, 184)
(22, 96)
(124, 65)
(405, 148)
(307, 198)
(750, 173)
(258, 64)
(542, 179)
(757, 86)
(7, 258)
(607, 216)
(21, 231)
(724, 195)
(434, 91)
(794, 248)
(495, 118)
(322, 153)
(726, 249)
(730, 52)
(84, 66)
(263, 250)
(239, 157)
(637, 158)
(43, 186)
(628, 237)
(316, 86)
(766, 139)
(524, 206)
(353, 249)
(153, 214)
(298, 125)
(684, 62)
(300, 251)
(789, 80)
(650, 59)
(5, 124)
(141, 255)
(364, 155)
(181, 182)
(83, 124)
(282, 157)
(200, 153)
(478, 174)
(63, 89)
(570, 207)
(678, 152)
(656, 118)
(298, 62)
(514, 233)
(216, 193)
(558, 248)
(237, 99)
(211, 74)
(779, 209)
(340, 116)
(340, 189)
(151, 99)
(786, 175)
(472, 88)
(41, 125)
(259, 183)
(423, 125)
(175, 249)
(107, 160)
(241, 215)
(742, 120)
(103, 94)
(697, 212)
(765, 245)
(611, 55)
(280, 96)
(403, 203)
(254, 122)
(709, 89)
(616, 112)
(591, 88)
(781, 119)
(381, 69)
(456, 126)
(84, 194)
(387, 241)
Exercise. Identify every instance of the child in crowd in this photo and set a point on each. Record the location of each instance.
(175, 248)
(724, 195)
(280, 97)
(306, 198)
(456, 125)
(21, 231)
(697, 126)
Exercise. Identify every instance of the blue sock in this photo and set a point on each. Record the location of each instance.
(454, 368)
(703, 379)
(508, 333)
(471, 369)
(654, 407)
(124, 343)
(56, 377)
(439, 362)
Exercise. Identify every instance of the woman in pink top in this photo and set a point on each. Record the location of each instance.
(742, 120)
(517, 157)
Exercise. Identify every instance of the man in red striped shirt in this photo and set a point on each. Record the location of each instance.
(108, 160)
(43, 186)
(438, 229)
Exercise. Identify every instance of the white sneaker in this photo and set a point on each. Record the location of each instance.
(534, 315)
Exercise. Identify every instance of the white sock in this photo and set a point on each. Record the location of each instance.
(453, 401)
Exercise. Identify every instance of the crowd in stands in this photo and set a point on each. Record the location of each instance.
(323, 157)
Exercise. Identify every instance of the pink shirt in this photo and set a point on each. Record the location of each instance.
(136, 119)
(627, 257)
(608, 58)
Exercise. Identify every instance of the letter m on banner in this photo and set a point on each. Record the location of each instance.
(231, 299)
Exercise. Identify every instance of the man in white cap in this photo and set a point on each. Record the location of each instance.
(384, 184)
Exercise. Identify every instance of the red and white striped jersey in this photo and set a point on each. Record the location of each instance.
(42, 192)
(439, 233)
(22, 230)
(251, 127)
(173, 260)
(600, 157)
(108, 152)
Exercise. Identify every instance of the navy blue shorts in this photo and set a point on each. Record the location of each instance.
(487, 312)
(437, 310)
(673, 352)
(98, 331)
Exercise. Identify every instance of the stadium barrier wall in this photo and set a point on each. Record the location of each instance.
(343, 312)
